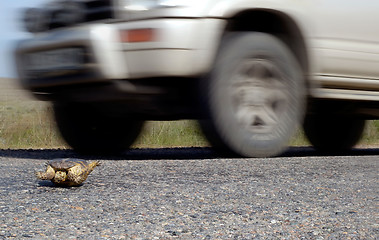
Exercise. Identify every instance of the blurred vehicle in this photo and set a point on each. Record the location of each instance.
(251, 71)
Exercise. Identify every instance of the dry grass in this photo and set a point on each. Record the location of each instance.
(171, 133)
(29, 124)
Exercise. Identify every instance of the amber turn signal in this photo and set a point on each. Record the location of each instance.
(138, 35)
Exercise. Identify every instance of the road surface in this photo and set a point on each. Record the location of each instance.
(191, 193)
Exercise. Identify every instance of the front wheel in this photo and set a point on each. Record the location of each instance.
(90, 131)
(254, 97)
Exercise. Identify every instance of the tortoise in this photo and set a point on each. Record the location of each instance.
(67, 172)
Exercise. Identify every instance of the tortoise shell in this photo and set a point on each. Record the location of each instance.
(66, 163)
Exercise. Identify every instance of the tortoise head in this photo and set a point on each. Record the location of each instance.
(60, 177)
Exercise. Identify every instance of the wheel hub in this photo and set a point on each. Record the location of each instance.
(260, 94)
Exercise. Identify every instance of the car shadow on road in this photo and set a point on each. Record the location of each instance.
(165, 153)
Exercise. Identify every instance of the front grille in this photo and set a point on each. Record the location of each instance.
(57, 62)
(72, 12)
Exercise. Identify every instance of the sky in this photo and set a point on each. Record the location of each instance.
(11, 30)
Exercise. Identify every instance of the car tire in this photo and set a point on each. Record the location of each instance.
(332, 134)
(254, 98)
(90, 131)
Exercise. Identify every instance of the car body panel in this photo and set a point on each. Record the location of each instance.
(341, 39)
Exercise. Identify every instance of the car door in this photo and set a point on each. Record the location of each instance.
(346, 39)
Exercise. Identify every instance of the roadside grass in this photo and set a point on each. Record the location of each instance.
(183, 133)
(29, 125)
(371, 134)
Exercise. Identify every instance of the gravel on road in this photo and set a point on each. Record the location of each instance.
(298, 197)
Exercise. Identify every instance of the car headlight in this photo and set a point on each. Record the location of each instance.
(144, 5)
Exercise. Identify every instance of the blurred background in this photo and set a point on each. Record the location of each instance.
(27, 123)
(12, 30)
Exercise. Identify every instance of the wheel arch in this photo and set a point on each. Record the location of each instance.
(278, 24)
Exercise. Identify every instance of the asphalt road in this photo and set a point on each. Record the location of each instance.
(192, 193)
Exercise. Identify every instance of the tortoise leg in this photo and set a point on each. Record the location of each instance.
(76, 175)
(79, 173)
(92, 165)
(47, 175)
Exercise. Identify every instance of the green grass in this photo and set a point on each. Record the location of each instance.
(171, 133)
(371, 134)
(29, 124)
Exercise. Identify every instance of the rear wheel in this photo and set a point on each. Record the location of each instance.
(90, 131)
(333, 134)
(254, 97)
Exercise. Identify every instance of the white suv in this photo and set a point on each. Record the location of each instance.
(250, 70)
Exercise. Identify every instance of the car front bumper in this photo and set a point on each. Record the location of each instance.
(97, 52)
